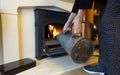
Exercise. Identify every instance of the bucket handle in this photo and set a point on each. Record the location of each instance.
(91, 29)
(79, 35)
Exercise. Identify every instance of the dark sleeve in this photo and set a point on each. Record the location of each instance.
(82, 4)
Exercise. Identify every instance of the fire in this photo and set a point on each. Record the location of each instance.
(54, 30)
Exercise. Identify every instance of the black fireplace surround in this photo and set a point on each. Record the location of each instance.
(44, 17)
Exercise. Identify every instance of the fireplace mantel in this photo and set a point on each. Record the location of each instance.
(12, 6)
(12, 33)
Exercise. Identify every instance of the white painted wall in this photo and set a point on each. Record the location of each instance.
(18, 31)
(0, 5)
(27, 33)
(11, 6)
(1, 48)
(10, 37)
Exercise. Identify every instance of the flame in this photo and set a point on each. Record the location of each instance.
(54, 30)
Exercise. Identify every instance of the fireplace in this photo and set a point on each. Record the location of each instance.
(48, 23)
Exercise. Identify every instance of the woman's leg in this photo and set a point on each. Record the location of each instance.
(109, 38)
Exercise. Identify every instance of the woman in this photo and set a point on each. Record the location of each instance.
(108, 27)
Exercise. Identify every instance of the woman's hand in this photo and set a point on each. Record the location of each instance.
(67, 27)
(78, 21)
(68, 24)
(77, 25)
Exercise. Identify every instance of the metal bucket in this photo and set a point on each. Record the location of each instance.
(79, 48)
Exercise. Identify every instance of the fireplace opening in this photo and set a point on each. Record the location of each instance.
(52, 30)
(49, 23)
(52, 46)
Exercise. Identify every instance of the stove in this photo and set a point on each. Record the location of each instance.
(48, 24)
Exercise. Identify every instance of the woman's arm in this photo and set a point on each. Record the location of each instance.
(78, 21)
(77, 14)
(69, 22)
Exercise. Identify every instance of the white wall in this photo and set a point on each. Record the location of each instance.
(0, 6)
(10, 37)
(1, 48)
(9, 6)
(27, 33)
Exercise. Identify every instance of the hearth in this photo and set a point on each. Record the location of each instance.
(48, 23)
